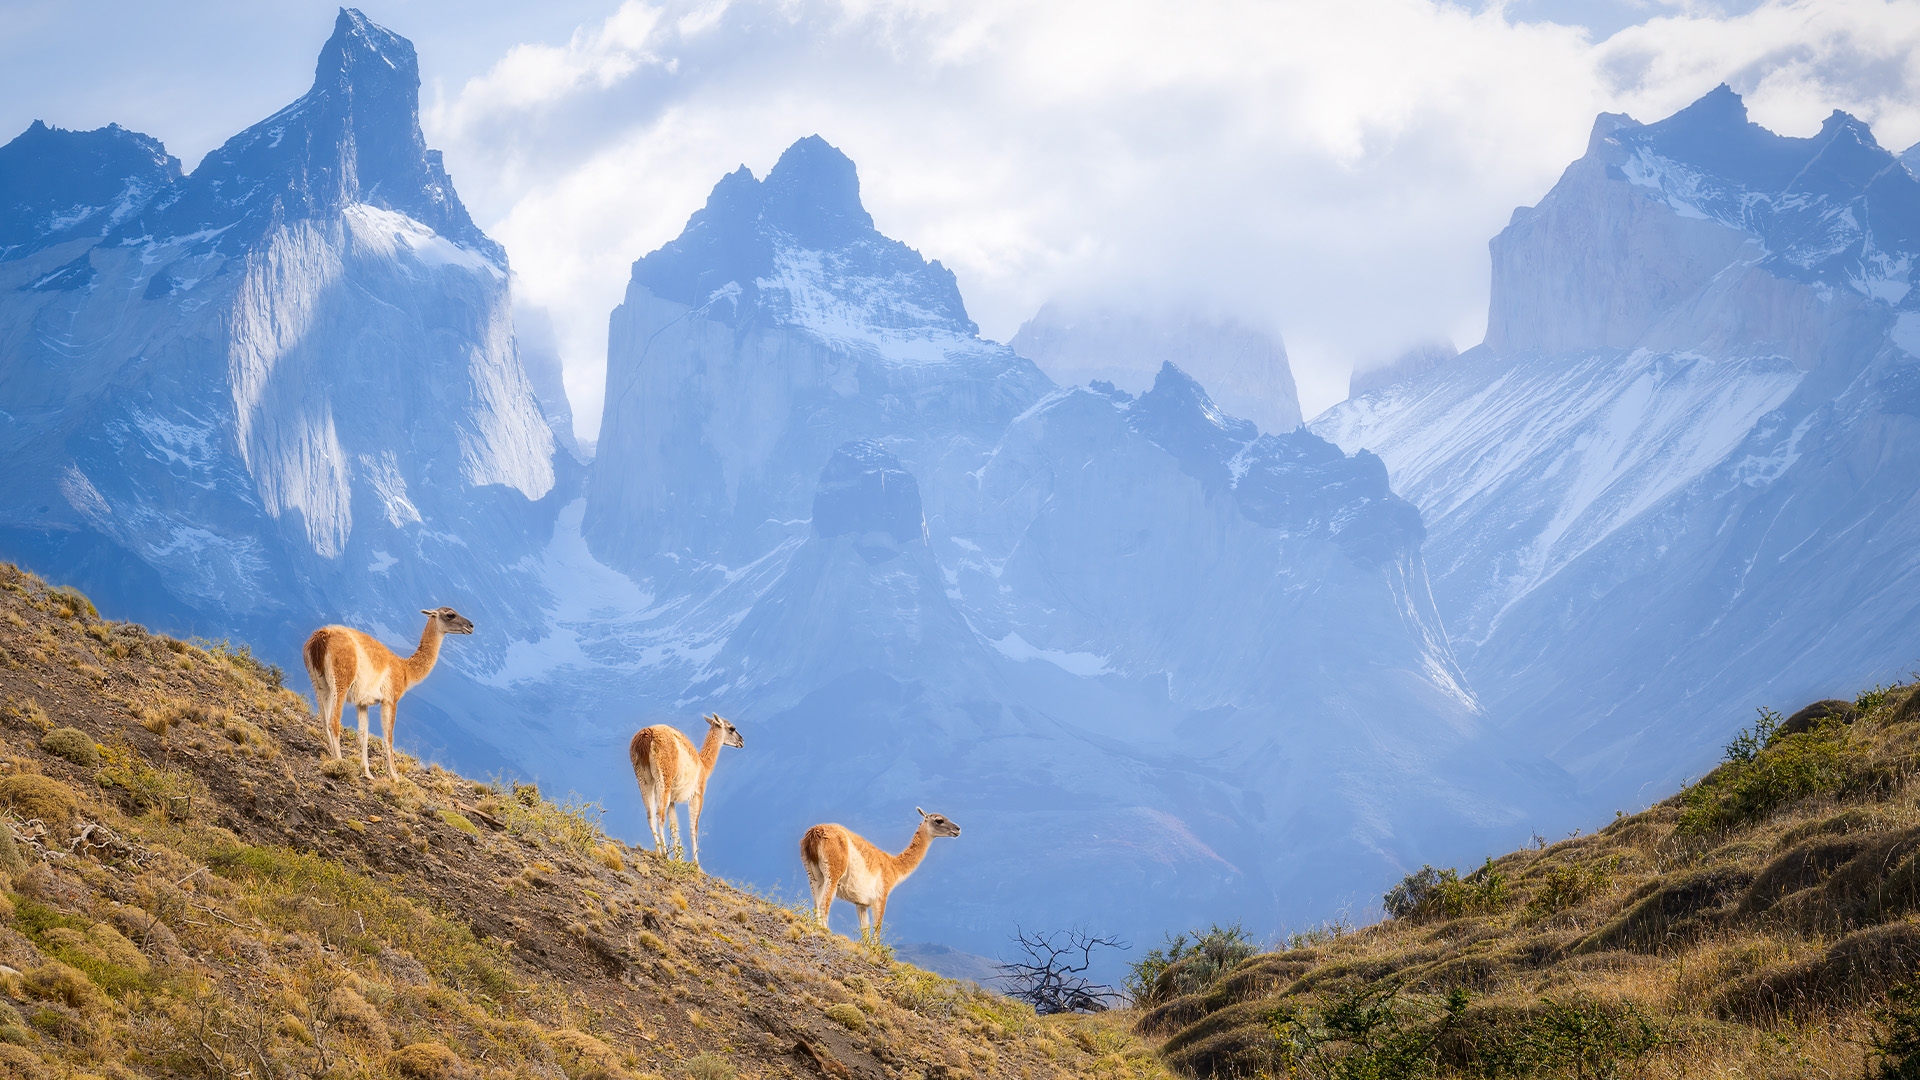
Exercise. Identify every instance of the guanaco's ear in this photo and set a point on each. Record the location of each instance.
(428, 611)
(919, 811)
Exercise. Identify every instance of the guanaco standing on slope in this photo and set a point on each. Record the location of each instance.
(347, 665)
(841, 863)
(671, 772)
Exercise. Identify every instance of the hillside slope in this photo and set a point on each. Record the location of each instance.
(1765, 922)
(189, 893)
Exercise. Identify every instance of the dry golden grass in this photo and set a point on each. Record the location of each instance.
(1747, 927)
(213, 900)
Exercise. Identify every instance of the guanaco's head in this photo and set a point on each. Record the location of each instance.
(449, 621)
(729, 735)
(938, 824)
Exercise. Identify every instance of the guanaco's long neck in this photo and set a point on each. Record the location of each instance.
(421, 662)
(907, 861)
(710, 751)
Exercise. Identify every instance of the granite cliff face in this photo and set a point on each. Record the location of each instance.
(1679, 464)
(277, 390)
(1157, 661)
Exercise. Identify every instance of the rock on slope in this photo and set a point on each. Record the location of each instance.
(189, 892)
(1675, 480)
(1154, 662)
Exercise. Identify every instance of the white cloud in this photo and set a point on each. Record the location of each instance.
(1329, 171)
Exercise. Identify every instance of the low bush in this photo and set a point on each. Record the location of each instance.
(1188, 963)
(1763, 772)
(847, 1016)
(1569, 883)
(423, 1061)
(41, 797)
(141, 786)
(72, 744)
(1430, 894)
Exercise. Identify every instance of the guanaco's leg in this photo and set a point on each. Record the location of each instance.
(366, 765)
(879, 913)
(693, 825)
(673, 824)
(331, 708)
(386, 732)
(823, 889)
(651, 800)
(866, 919)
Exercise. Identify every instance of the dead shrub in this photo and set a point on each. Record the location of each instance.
(65, 984)
(349, 1012)
(41, 797)
(585, 1057)
(20, 1063)
(424, 1061)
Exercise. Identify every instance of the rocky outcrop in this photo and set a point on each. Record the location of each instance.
(1672, 484)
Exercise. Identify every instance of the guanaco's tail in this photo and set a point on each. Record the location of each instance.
(318, 669)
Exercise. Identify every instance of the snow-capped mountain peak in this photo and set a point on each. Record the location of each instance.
(798, 249)
(57, 184)
(1673, 482)
(353, 138)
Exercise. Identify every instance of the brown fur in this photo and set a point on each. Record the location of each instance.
(669, 771)
(335, 656)
(830, 852)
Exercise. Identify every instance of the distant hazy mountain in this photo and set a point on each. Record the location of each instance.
(1155, 662)
(1416, 361)
(280, 389)
(1676, 481)
(1245, 370)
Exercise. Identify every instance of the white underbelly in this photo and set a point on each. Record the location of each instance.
(863, 884)
(371, 685)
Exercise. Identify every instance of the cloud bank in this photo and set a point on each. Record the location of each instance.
(1330, 172)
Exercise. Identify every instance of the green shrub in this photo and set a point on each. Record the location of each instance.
(1747, 789)
(847, 1016)
(1585, 1038)
(1748, 742)
(72, 744)
(74, 601)
(1366, 1034)
(1567, 884)
(1186, 966)
(1898, 1046)
(1428, 893)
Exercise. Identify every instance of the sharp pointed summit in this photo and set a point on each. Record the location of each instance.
(813, 194)
(353, 139)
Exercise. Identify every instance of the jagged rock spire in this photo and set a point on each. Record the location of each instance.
(353, 138)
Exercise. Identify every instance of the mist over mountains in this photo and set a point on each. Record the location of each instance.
(1164, 663)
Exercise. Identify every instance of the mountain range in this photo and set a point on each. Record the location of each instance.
(1166, 656)
(1680, 468)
